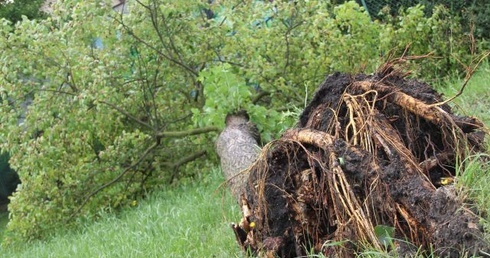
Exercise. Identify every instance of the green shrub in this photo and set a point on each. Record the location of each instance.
(93, 136)
(470, 13)
(14, 10)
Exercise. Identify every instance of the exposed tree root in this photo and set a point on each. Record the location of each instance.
(368, 151)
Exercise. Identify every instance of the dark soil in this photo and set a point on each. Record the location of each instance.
(364, 155)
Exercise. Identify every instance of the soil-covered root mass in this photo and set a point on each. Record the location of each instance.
(369, 153)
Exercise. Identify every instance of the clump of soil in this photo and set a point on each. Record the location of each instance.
(369, 152)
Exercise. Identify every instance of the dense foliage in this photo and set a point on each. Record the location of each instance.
(99, 107)
(473, 15)
(14, 10)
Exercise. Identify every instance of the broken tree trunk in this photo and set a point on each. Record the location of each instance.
(237, 147)
(368, 151)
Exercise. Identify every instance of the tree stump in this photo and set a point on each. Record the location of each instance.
(237, 147)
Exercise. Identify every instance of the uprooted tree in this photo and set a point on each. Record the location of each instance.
(113, 105)
(368, 151)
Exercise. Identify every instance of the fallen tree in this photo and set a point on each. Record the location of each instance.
(370, 152)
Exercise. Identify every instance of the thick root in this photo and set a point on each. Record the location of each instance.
(368, 154)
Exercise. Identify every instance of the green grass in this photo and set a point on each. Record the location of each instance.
(476, 180)
(475, 100)
(187, 221)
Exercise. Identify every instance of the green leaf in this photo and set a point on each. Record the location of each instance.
(385, 234)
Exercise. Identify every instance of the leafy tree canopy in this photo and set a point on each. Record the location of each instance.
(13, 10)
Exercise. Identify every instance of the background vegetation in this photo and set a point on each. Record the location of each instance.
(99, 108)
(472, 15)
(13, 10)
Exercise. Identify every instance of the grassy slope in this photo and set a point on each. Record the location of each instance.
(193, 220)
(475, 100)
(188, 221)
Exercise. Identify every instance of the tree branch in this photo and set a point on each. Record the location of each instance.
(259, 96)
(184, 160)
(190, 132)
(117, 178)
(120, 110)
(158, 51)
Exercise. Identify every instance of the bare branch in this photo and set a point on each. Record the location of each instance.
(157, 50)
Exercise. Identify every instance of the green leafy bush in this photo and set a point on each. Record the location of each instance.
(99, 130)
(14, 10)
(470, 13)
